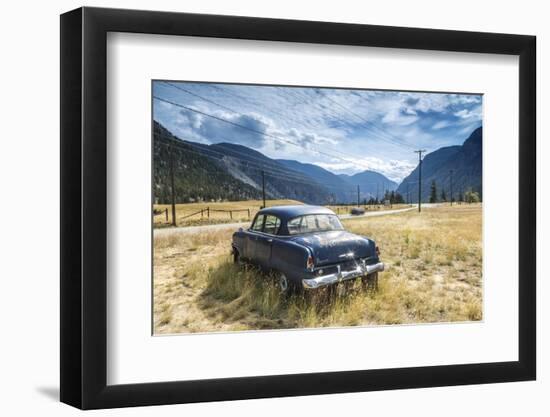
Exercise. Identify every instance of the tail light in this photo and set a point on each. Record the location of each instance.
(310, 262)
(377, 250)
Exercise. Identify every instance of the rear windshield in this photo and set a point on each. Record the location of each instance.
(314, 223)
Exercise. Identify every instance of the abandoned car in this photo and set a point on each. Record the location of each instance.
(306, 247)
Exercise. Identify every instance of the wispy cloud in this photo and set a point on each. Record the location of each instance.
(394, 169)
(345, 131)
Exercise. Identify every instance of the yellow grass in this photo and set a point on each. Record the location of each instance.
(213, 217)
(340, 209)
(434, 266)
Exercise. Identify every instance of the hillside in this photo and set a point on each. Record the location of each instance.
(246, 165)
(371, 183)
(343, 186)
(196, 177)
(465, 161)
(228, 171)
(339, 188)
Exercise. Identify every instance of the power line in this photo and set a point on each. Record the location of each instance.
(198, 96)
(252, 102)
(262, 164)
(262, 133)
(273, 174)
(236, 112)
(390, 138)
(255, 131)
(274, 169)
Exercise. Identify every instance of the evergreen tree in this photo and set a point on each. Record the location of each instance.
(472, 197)
(443, 195)
(433, 192)
(398, 199)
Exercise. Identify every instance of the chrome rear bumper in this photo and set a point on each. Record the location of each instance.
(359, 271)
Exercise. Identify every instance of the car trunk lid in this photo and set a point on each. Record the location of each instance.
(335, 246)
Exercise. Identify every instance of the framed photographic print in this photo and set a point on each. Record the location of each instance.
(257, 208)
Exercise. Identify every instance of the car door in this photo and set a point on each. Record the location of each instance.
(264, 242)
(252, 236)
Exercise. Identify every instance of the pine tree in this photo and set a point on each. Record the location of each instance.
(433, 192)
(443, 195)
(472, 197)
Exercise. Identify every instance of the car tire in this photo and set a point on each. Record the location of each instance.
(370, 282)
(237, 260)
(285, 285)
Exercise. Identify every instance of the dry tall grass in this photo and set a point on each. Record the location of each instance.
(434, 265)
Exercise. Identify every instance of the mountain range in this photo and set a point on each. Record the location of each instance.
(460, 165)
(228, 171)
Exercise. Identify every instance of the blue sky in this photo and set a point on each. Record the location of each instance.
(344, 131)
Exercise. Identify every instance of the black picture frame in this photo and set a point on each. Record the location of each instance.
(84, 207)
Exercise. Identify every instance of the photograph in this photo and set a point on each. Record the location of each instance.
(296, 207)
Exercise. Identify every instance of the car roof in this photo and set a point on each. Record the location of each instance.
(289, 212)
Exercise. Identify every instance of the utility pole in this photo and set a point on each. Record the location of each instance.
(420, 152)
(377, 201)
(408, 192)
(263, 186)
(451, 187)
(172, 186)
(358, 196)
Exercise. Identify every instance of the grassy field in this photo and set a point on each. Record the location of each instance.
(339, 209)
(434, 268)
(213, 216)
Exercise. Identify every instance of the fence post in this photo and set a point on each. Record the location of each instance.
(231, 214)
(248, 214)
(166, 213)
(208, 211)
(202, 213)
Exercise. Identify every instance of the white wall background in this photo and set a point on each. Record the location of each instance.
(29, 213)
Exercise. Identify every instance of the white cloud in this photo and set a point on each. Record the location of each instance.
(469, 113)
(394, 169)
(396, 118)
(368, 128)
(441, 124)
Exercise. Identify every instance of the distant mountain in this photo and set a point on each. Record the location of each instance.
(247, 165)
(227, 171)
(465, 161)
(371, 183)
(343, 186)
(339, 188)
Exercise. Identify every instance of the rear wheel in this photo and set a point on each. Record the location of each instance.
(285, 285)
(237, 260)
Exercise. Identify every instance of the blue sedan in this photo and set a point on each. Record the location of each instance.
(307, 247)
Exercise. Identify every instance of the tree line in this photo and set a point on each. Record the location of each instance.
(469, 196)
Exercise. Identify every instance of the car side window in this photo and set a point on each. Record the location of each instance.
(272, 224)
(258, 223)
